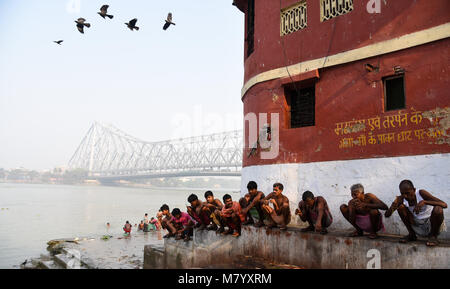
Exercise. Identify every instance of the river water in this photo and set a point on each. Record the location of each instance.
(33, 214)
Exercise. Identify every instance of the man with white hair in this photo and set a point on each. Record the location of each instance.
(362, 212)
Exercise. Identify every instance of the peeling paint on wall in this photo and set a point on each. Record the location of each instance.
(319, 148)
(274, 97)
(440, 119)
(357, 127)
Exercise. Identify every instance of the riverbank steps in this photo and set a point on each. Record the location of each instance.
(106, 252)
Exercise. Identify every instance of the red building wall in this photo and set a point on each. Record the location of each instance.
(348, 92)
(352, 30)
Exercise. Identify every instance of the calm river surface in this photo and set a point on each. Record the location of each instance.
(31, 215)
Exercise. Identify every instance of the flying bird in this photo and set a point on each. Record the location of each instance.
(103, 12)
(58, 42)
(168, 21)
(80, 24)
(132, 24)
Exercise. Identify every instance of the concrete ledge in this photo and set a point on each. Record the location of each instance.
(310, 250)
(154, 258)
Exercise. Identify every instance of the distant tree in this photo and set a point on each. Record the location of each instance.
(75, 176)
(34, 175)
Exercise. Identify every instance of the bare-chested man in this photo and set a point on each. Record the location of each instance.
(215, 206)
(315, 211)
(252, 200)
(362, 212)
(199, 212)
(232, 216)
(280, 214)
(168, 221)
(421, 212)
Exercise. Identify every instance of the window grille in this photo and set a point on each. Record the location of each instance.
(302, 106)
(293, 18)
(334, 8)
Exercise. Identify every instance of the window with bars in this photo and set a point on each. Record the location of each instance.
(293, 18)
(250, 27)
(334, 8)
(302, 103)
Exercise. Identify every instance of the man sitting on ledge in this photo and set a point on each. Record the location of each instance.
(215, 206)
(184, 225)
(421, 212)
(252, 200)
(199, 212)
(280, 214)
(315, 211)
(362, 212)
(232, 216)
(167, 222)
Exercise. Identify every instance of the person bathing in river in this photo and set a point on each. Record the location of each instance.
(362, 212)
(141, 226)
(127, 228)
(421, 212)
(167, 222)
(315, 211)
(215, 206)
(146, 222)
(252, 201)
(184, 225)
(155, 223)
(199, 212)
(232, 216)
(280, 214)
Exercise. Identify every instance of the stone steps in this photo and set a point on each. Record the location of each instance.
(48, 265)
(65, 259)
(59, 261)
(92, 253)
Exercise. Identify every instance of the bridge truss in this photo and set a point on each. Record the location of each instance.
(105, 151)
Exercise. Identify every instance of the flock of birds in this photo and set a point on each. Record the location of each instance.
(81, 22)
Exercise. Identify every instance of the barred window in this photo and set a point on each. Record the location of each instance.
(333, 8)
(293, 18)
(302, 103)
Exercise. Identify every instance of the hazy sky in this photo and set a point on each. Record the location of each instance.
(152, 84)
